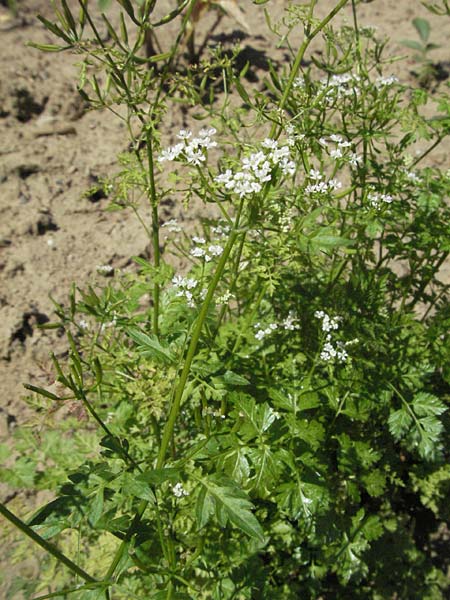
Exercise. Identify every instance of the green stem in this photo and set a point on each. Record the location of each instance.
(299, 58)
(155, 233)
(175, 407)
(50, 548)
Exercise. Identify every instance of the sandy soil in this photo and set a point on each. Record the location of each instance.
(52, 151)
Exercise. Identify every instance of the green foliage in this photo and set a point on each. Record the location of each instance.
(427, 69)
(273, 422)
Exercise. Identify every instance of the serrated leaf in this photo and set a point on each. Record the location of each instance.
(137, 487)
(256, 418)
(375, 483)
(233, 503)
(149, 346)
(425, 404)
(231, 378)
(399, 423)
(96, 508)
(235, 464)
(204, 508)
(266, 471)
(159, 476)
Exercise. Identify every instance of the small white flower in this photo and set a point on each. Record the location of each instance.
(178, 490)
(184, 134)
(337, 153)
(290, 322)
(270, 144)
(207, 132)
(215, 249)
(197, 252)
(334, 184)
(198, 240)
(83, 324)
(354, 159)
(315, 175)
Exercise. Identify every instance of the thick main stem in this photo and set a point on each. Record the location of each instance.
(175, 406)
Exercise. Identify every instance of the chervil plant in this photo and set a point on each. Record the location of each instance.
(272, 424)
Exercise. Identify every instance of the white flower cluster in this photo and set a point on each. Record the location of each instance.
(189, 149)
(178, 490)
(200, 250)
(386, 81)
(221, 231)
(332, 349)
(83, 324)
(261, 333)
(328, 323)
(340, 86)
(376, 199)
(340, 149)
(105, 269)
(289, 323)
(185, 287)
(224, 299)
(412, 176)
(345, 85)
(321, 187)
(172, 226)
(257, 169)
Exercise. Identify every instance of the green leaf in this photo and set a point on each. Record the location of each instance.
(96, 509)
(412, 44)
(399, 423)
(231, 378)
(204, 508)
(41, 391)
(159, 476)
(422, 27)
(256, 418)
(149, 346)
(427, 405)
(233, 503)
(55, 29)
(126, 4)
(69, 17)
(46, 47)
(265, 467)
(235, 464)
(135, 486)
